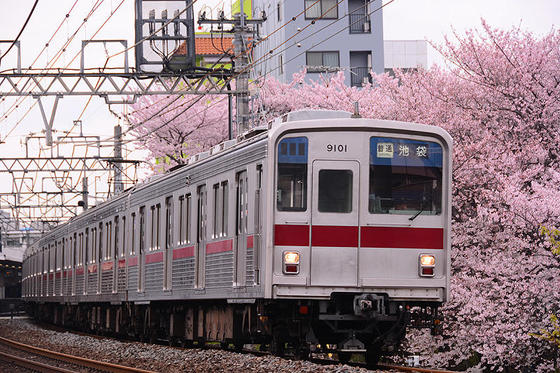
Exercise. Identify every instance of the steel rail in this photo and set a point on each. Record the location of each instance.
(32, 365)
(89, 363)
(413, 369)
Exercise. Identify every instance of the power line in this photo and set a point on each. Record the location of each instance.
(21, 31)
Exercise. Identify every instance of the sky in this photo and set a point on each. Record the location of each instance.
(403, 20)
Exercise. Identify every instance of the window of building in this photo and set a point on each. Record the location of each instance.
(280, 64)
(278, 12)
(328, 9)
(322, 61)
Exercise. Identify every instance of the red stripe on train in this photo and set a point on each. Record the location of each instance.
(132, 261)
(107, 266)
(402, 237)
(184, 252)
(346, 236)
(291, 235)
(334, 236)
(250, 242)
(219, 247)
(154, 258)
(122, 263)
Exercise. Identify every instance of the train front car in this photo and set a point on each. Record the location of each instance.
(360, 230)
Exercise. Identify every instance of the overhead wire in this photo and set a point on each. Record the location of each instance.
(191, 103)
(21, 30)
(96, 6)
(53, 60)
(316, 44)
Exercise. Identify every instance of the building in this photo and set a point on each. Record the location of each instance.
(408, 55)
(13, 242)
(346, 38)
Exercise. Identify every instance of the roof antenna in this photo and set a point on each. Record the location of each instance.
(356, 110)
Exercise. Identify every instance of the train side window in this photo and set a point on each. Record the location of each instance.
(291, 191)
(335, 191)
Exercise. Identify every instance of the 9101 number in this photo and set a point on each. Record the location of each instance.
(337, 148)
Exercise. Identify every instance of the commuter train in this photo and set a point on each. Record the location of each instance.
(320, 231)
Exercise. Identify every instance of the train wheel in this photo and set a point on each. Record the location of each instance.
(373, 353)
(344, 357)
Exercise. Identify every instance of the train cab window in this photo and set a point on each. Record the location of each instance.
(291, 192)
(405, 177)
(335, 191)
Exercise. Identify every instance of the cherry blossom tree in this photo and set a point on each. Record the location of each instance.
(499, 99)
(173, 128)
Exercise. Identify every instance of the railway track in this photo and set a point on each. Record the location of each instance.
(57, 356)
(412, 369)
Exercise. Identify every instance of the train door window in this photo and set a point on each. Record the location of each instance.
(217, 209)
(155, 227)
(133, 234)
(67, 253)
(142, 229)
(291, 191)
(94, 245)
(109, 240)
(335, 191)
(201, 236)
(116, 250)
(168, 222)
(100, 243)
(75, 259)
(224, 212)
(123, 241)
(86, 246)
(52, 253)
(187, 221)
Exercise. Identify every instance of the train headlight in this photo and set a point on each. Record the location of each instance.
(426, 264)
(290, 261)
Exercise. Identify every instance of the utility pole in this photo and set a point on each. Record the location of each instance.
(242, 29)
(117, 165)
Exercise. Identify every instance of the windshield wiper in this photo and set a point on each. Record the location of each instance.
(418, 213)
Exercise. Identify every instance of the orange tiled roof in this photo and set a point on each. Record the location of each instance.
(204, 46)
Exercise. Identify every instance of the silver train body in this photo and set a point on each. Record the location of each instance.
(321, 229)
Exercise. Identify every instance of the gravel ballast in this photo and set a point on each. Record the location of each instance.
(155, 357)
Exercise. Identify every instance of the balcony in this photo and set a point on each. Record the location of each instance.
(360, 76)
(359, 23)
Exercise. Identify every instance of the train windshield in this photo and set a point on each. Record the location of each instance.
(291, 194)
(405, 176)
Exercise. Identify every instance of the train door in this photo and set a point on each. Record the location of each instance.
(241, 229)
(141, 248)
(334, 223)
(200, 236)
(168, 256)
